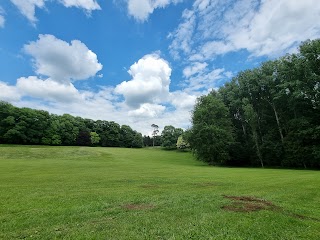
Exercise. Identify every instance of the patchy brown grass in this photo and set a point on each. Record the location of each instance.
(248, 204)
(252, 204)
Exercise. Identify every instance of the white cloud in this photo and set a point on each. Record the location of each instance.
(194, 68)
(150, 77)
(2, 19)
(88, 5)
(182, 100)
(47, 89)
(141, 9)
(182, 36)
(27, 8)
(9, 93)
(206, 80)
(147, 110)
(150, 81)
(269, 28)
(62, 61)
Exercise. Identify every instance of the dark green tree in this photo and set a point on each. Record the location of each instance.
(211, 134)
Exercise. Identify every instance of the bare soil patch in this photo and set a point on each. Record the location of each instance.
(248, 204)
(252, 204)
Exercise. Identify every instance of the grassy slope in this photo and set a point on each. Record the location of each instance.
(113, 193)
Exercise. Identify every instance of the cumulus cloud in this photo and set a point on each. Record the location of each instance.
(147, 110)
(141, 9)
(182, 100)
(88, 5)
(61, 61)
(150, 81)
(263, 28)
(47, 89)
(9, 93)
(28, 8)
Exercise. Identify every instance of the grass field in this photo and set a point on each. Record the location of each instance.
(114, 193)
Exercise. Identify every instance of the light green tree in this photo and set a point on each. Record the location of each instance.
(95, 138)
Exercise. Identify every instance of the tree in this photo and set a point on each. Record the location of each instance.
(182, 144)
(169, 136)
(147, 141)
(95, 138)
(211, 134)
(252, 120)
(126, 136)
(154, 132)
(137, 141)
(84, 138)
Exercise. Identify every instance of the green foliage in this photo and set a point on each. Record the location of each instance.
(274, 111)
(130, 138)
(182, 144)
(95, 138)
(137, 141)
(29, 126)
(169, 136)
(211, 134)
(147, 141)
(84, 138)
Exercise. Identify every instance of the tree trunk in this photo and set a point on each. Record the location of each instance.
(255, 137)
(278, 122)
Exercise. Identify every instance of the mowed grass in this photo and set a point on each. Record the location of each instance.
(115, 193)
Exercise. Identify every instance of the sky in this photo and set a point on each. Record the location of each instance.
(139, 62)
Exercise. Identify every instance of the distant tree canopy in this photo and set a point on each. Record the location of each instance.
(267, 116)
(169, 137)
(29, 126)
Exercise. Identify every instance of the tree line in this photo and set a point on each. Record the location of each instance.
(30, 126)
(267, 116)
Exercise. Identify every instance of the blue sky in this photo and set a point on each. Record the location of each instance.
(139, 62)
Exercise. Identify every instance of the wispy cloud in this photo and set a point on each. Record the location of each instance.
(263, 28)
(28, 7)
(2, 19)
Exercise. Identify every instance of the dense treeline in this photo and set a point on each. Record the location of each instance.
(268, 116)
(29, 126)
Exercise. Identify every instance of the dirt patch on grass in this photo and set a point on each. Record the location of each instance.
(252, 204)
(248, 204)
(138, 206)
(303, 217)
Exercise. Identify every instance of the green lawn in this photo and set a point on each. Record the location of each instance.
(115, 193)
